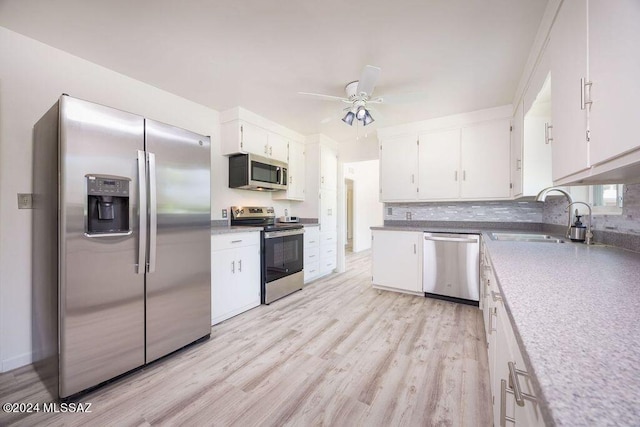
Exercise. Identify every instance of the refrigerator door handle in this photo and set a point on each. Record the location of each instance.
(142, 212)
(153, 212)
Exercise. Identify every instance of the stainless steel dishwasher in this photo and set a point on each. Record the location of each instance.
(451, 268)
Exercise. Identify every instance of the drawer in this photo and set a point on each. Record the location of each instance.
(311, 255)
(234, 240)
(329, 238)
(311, 237)
(327, 265)
(311, 271)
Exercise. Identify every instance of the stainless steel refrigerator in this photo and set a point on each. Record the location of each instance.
(121, 262)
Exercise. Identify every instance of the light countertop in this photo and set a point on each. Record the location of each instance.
(575, 311)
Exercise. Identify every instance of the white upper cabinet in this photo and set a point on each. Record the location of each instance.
(239, 136)
(328, 169)
(517, 141)
(485, 160)
(242, 131)
(614, 70)
(399, 169)
(439, 161)
(594, 71)
(462, 157)
(277, 147)
(296, 174)
(568, 44)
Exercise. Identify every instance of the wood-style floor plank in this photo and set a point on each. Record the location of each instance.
(336, 353)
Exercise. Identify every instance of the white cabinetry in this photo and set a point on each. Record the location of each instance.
(484, 160)
(439, 160)
(242, 131)
(595, 42)
(235, 274)
(568, 44)
(469, 162)
(614, 69)
(321, 198)
(296, 185)
(311, 253)
(397, 260)
(399, 169)
(503, 351)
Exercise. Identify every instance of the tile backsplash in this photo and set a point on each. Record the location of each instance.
(489, 211)
(626, 223)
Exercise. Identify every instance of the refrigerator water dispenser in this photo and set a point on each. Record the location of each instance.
(107, 205)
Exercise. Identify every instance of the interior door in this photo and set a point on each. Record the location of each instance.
(178, 297)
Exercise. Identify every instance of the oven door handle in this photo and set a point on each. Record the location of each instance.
(282, 233)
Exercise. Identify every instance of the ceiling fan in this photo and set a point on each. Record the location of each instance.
(359, 94)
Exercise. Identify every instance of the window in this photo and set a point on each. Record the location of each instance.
(607, 199)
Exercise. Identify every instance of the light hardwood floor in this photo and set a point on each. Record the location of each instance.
(337, 353)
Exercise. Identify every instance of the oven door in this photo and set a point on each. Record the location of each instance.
(282, 253)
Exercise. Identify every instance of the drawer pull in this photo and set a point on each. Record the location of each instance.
(492, 313)
(518, 395)
(503, 405)
(496, 296)
(236, 241)
(312, 256)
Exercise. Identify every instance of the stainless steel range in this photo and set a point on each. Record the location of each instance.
(282, 250)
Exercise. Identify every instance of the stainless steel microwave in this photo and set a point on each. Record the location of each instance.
(251, 172)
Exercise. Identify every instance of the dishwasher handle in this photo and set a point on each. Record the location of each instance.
(451, 239)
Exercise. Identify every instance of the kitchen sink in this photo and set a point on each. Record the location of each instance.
(526, 237)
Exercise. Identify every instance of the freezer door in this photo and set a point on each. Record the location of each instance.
(179, 260)
(101, 291)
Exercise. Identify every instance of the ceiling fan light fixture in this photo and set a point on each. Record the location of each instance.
(348, 118)
(367, 118)
(361, 113)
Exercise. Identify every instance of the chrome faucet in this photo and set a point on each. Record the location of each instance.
(542, 196)
(589, 234)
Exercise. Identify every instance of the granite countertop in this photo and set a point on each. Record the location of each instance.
(224, 229)
(470, 230)
(575, 312)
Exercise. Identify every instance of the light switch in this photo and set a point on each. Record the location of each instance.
(25, 201)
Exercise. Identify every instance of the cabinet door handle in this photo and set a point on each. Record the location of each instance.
(547, 133)
(496, 296)
(414, 248)
(233, 267)
(413, 178)
(583, 93)
(271, 150)
(518, 394)
(518, 164)
(239, 266)
(322, 180)
(455, 175)
(503, 405)
(492, 313)
(464, 175)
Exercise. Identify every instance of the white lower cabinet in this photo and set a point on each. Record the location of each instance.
(397, 260)
(235, 274)
(328, 252)
(311, 254)
(513, 397)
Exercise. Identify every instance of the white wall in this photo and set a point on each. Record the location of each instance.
(32, 77)
(367, 210)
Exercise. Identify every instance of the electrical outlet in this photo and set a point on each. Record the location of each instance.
(224, 213)
(25, 201)
(408, 216)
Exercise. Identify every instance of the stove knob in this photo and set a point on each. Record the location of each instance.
(242, 211)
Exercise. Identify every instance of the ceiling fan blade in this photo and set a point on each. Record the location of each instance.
(400, 98)
(325, 97)
(368, 79)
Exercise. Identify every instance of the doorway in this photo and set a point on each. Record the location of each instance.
(348, 246)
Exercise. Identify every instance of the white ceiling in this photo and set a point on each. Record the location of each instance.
(465, 54)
